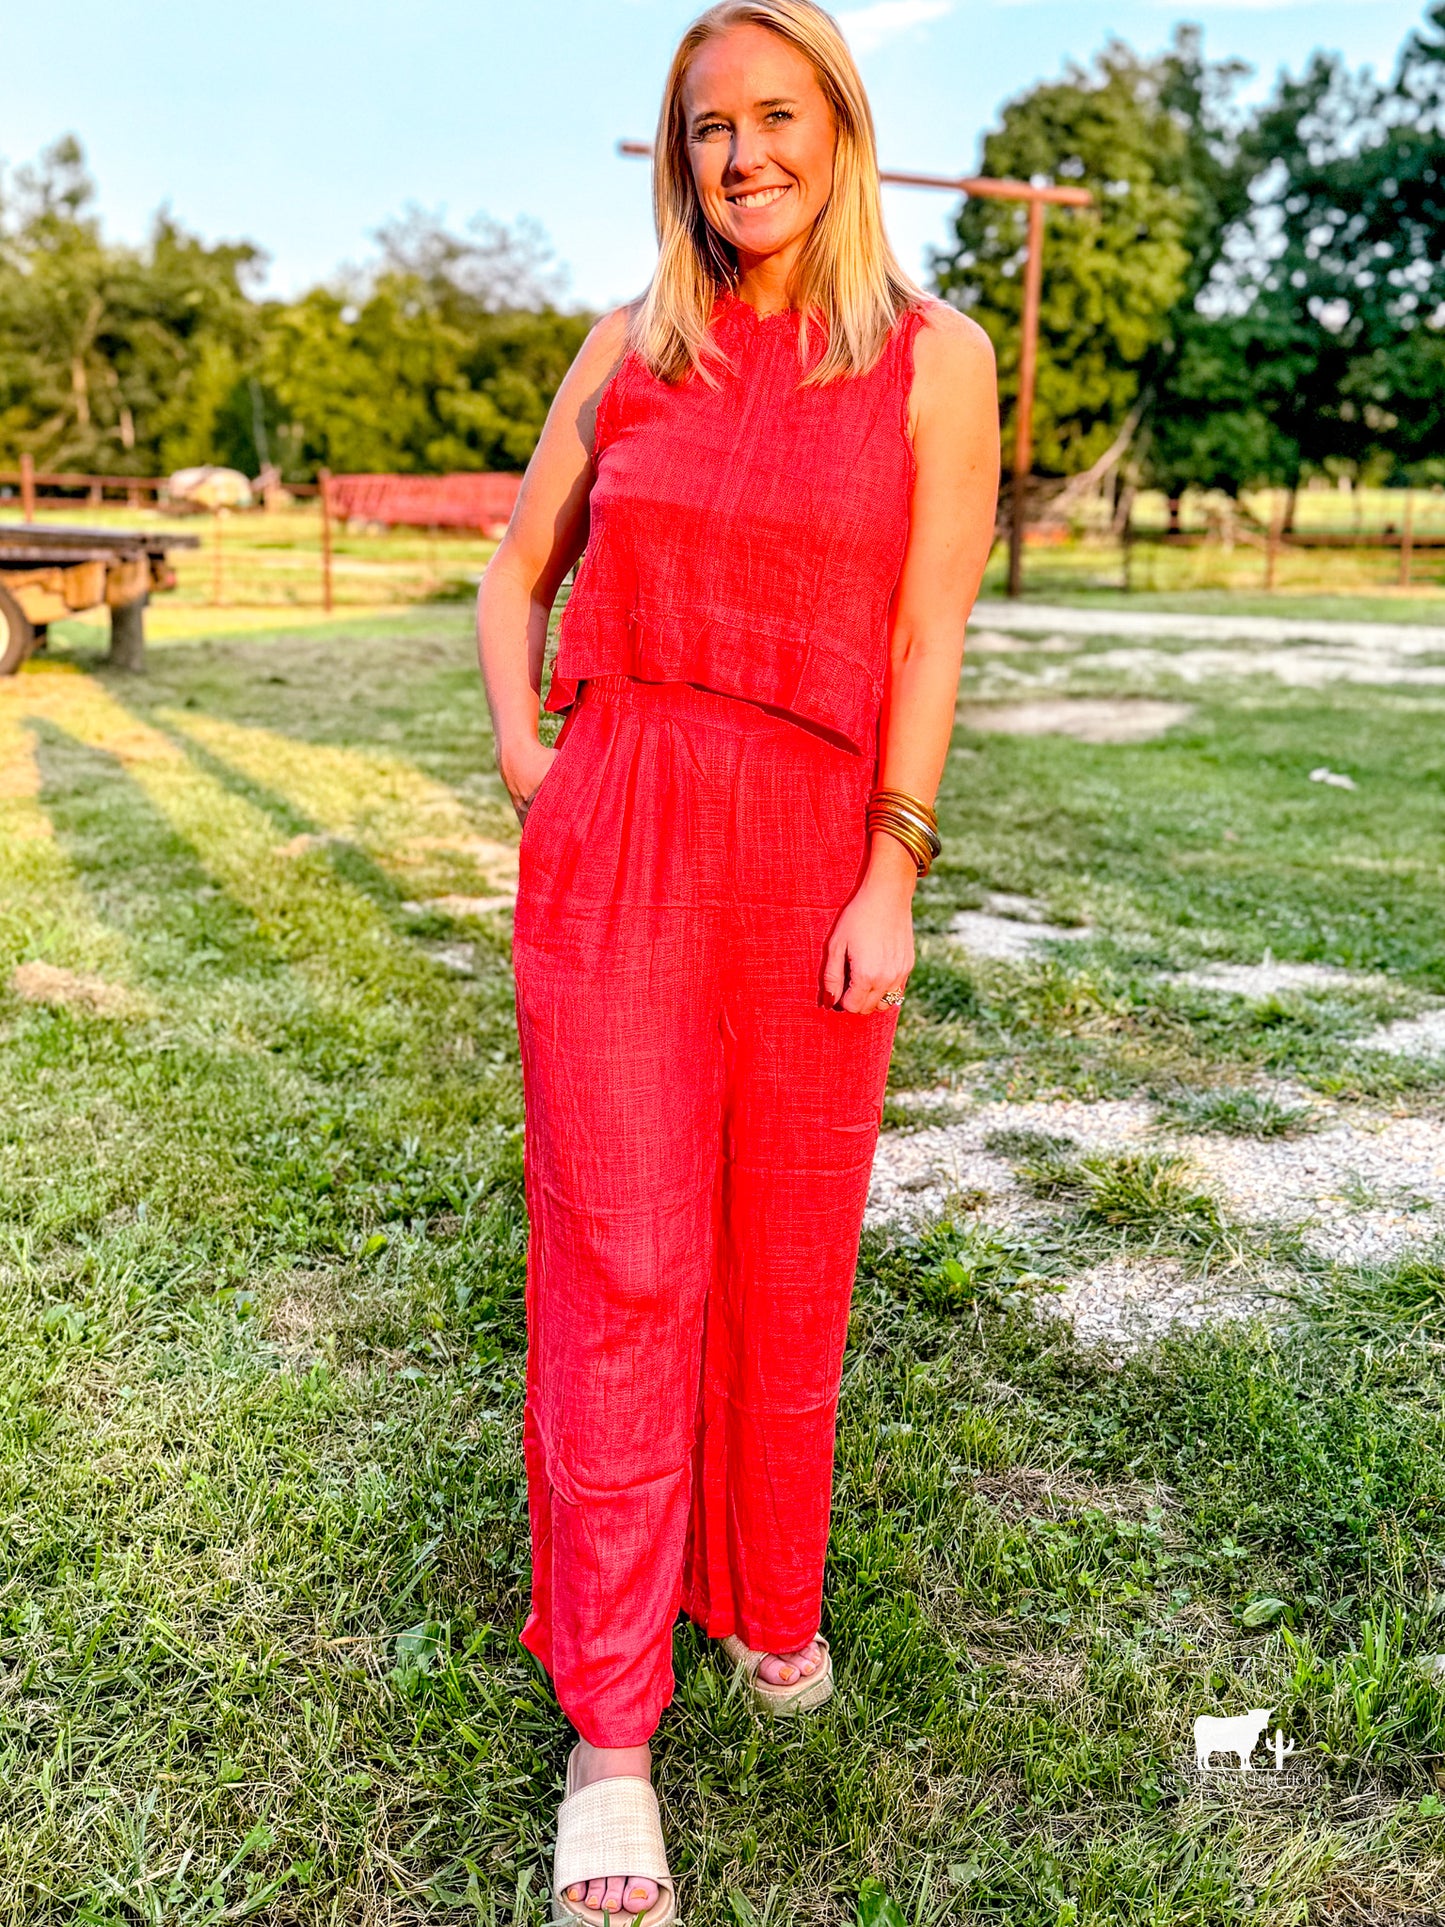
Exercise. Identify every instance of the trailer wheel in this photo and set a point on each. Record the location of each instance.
(17, 633)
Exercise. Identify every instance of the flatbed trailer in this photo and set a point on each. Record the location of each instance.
(49, 574)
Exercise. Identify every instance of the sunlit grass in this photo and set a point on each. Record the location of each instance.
(261, 1263)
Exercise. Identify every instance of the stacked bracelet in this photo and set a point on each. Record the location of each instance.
(910, 821)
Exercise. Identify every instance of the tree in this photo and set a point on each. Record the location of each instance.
(446, 356)
(1349, 259)
(112, 359)
(1157, 143)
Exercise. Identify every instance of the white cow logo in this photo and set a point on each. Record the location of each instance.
(1239, 1735)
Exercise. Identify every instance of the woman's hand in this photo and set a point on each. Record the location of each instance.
(522, 770)
(871, 948)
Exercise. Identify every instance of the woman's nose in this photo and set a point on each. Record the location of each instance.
(747, 155)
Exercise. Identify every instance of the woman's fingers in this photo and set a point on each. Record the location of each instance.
(835, 970)
(863, 994)
(858, 987)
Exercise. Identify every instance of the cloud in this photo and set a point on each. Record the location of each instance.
(869, 28)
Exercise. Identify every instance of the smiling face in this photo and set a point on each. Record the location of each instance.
(761, 140)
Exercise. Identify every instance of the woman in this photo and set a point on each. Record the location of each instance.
(782, 466)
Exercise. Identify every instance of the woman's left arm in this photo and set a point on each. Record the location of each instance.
(953, 416)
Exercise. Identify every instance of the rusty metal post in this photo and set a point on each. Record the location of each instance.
(1024, 406)
(27, 486)
(1407, 539)
(1274, 538)
(327, 600)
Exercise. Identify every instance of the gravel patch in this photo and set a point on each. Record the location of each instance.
(914, 1172)
(1010, 929)
(1125, 1302)
(459, 957)
(1032, 619)
(1365, 1188)
(1088, 719)
(1411, 1036)
(1361, 1190)
(1302, 666)
(1261, 980)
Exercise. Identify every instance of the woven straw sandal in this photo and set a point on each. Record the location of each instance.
(611, 1828)
(804, 1693)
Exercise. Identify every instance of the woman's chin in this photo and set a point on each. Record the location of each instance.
(758, 240)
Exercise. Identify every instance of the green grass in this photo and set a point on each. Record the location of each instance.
(261, 1251)
(1236, 1113)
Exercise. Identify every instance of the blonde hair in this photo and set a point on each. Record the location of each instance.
(848, 278)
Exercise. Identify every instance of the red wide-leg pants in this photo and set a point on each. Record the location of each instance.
(700, 1132)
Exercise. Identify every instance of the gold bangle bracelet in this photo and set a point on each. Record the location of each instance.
(925, 830)
(889, 813)
(904, 801)
(910, 821)
(922, 852)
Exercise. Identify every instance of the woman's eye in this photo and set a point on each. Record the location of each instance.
(780, 113)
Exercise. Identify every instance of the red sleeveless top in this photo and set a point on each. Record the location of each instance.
(748, 536)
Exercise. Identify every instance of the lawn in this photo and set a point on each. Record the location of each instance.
(261, 1356)
(257, 567)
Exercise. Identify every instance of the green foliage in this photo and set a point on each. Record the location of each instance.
(122, 360)
(113, 359)
(1353, 280)
(1400, 1301)
(876, 1908)
(400, 384)
(952, 1267)
(945, 991)
(1260, 295)
(1150, 1197)
(1151, 140)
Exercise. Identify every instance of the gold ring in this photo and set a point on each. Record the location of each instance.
(891, 997)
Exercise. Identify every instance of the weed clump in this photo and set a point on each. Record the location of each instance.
(1023, 1144)
(1236, 1113)
(953, 1267)
(1401, 1300)
(1046, 1162)
(1149, 1197)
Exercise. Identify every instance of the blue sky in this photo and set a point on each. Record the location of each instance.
(301, 124)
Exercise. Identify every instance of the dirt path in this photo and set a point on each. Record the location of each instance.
(1038, 619)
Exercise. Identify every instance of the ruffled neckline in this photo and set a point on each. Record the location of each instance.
(732, 307)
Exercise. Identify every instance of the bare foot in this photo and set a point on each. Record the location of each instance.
(611, 1903)
(785, 1669)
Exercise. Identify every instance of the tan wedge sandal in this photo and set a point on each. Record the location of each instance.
(610, 1829)
(802, 1696)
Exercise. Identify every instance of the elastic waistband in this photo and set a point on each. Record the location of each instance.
(688, 702)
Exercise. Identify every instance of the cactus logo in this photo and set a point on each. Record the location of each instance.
(1237, 1739)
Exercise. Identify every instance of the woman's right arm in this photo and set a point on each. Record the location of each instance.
(547, 533)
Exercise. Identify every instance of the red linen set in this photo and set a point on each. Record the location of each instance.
(700, 1122)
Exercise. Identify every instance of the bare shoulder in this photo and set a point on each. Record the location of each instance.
(605, 345)
(593, 367)
(952, 356)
